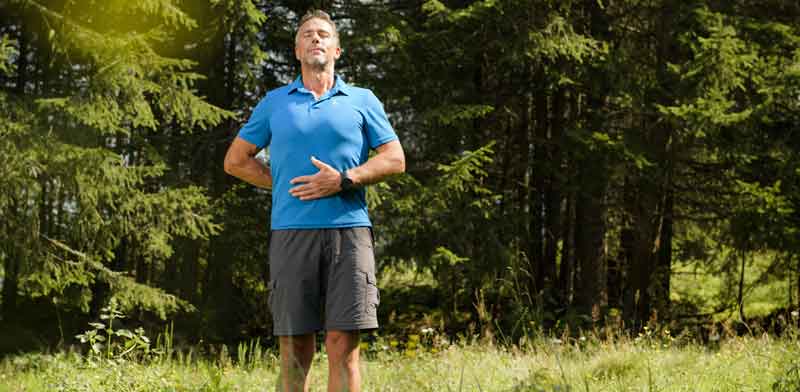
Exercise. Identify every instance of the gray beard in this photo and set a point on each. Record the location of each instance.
(317, 65)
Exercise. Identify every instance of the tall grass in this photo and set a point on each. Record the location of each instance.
(649, 362)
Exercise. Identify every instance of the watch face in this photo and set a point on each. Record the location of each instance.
(346, 183)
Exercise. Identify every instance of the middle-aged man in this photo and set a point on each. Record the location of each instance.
(319, 131)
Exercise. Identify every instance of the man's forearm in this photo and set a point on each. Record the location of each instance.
(378, 168)
(251, 171)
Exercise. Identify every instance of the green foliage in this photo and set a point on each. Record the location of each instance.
(721, 65)
(106, 342)
(555, 365)
(789, 381)
(707, 285)
(453, 114)
(445, 257)
(457, 190)
(465, 175)
(544, 139)
(7, 50)
(558, 40)
(78, 159)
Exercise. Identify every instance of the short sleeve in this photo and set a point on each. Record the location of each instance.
(379, 131)
(257, 130)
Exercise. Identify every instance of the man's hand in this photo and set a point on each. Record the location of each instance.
(326, 182)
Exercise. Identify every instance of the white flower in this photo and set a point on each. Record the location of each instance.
(795, 313)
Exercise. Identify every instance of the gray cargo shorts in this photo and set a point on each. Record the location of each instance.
(322, 279)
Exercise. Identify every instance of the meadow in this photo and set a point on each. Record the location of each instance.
(650, 361)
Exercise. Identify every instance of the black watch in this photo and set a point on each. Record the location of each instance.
(346, 184)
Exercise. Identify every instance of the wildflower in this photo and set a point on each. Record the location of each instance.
(427, 330)
(411, 344)
(795, 313)
(364, 345)
(583, 338)
(413, 338)
(394, 343)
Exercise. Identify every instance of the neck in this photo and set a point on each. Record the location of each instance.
(318, 81)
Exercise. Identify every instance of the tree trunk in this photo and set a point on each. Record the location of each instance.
(646, 205)
(566, 268)
(44, 207)
(22, 64)
(536, 248)
(10, 281)
(663, 272)
(589, 239)
(13, 258)
(189, 277)
(553, 196)
(614, 268)
(740, 291)
(640, 245)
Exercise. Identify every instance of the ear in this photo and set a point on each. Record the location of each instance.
(297, 52)
(338, 53)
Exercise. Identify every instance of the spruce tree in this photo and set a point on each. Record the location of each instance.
(82, 205)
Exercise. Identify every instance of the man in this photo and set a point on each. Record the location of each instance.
(319, 131)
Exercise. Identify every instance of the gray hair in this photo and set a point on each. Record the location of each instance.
(316, 14)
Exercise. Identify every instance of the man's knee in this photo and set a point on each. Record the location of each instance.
(342, 338)
(300, 346)
(342, 344)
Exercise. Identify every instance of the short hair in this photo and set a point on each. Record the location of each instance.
(316, 14)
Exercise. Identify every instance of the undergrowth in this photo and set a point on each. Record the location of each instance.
(425, 360)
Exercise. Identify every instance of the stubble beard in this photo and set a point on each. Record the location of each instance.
(317, 64)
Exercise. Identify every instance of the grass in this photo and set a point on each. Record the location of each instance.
(651, 362)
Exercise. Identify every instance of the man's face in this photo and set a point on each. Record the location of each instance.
(316, 46)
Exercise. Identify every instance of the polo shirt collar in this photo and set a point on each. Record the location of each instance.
(339, 86)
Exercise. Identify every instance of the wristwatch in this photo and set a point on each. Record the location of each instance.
(346, 184)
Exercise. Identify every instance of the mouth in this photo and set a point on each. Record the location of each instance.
(317, 51)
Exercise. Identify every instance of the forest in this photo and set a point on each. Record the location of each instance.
(606, 165)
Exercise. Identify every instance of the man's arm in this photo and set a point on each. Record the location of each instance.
(390, 159)
(241, 163)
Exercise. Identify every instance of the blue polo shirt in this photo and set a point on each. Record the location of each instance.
(339, 129)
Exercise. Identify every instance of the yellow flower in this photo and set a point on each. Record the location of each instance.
(411, 344)
(364, 345)
(413, 338)
(394, 343)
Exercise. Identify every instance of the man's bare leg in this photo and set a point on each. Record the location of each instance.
(343, 371)
(296, 355)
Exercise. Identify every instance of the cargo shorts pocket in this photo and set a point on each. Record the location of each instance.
(271, 298)
(373, 295)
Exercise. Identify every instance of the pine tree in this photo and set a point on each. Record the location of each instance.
(84, 206)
